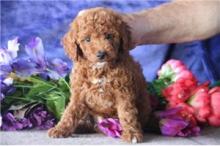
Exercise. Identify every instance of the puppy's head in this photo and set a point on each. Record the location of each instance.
(97, 35)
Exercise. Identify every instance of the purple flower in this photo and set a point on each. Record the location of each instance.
(111, 127)
(35, 64)
(13, 47)
(40, 117)
(35, 50)
(7, 55)
(57, 68)
(11, 123)
(172, 127)
(5, 70)
(172, 123)
(54, 69)
(31, 116)
(170, 113)
(25, 67)
(2, 96)
(6, 87)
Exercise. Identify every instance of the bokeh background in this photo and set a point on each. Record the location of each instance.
(50, 19)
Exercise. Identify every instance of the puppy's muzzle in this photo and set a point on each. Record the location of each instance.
(101, 55)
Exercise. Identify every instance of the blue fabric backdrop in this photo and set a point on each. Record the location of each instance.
(50, 20)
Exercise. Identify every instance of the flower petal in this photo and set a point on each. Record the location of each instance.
(8, 81)
(169, 112)
(25, 68)
(40, 117)
(171, 127)
(5, 57)
(57, 68)
(13, 47)
(111, 127)
(4, 71)
(35, 50)
(10, 123)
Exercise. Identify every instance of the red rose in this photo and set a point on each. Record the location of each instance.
(200, 101)
(214, 118)
(179, 91)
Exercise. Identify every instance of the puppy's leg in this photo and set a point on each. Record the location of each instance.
(128, 117)
(69, 121)
(144, 108)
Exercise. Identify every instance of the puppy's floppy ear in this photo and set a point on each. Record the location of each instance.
(125, 37)
(71, 47)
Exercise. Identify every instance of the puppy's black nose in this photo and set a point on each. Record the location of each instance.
(101, 55)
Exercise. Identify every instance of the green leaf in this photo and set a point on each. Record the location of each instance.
(155, 89)
(56, 104)
(160, 84)
(39, 89)
(64, 88)
(53, 94)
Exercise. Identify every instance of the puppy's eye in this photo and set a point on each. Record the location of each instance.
(108, 36)
(87, 39)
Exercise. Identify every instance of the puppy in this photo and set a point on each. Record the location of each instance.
(105, 80)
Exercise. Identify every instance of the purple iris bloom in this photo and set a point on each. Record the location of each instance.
(25, 67)
(54, 69)
(11, 123)
(35, 50)
(6, 86)
(7, 56)
(173, 124)
(36, 62)
(36, 117)
(5, 70)
(57, 68)
(41, 118)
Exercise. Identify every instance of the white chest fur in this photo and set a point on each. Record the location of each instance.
(102, 81)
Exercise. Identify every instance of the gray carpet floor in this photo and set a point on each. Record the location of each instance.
(208, 136)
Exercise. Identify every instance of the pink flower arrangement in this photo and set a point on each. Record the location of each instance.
(188, 103)
(199, 103)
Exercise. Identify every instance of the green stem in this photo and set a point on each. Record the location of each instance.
(46, 91)
(65, 83)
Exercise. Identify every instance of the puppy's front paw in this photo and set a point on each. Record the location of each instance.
(132, 137)
(57, 133)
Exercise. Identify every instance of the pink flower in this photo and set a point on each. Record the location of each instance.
(206, 104)
(111, 127)
(200, 101)
(174, 70)
(214, 118)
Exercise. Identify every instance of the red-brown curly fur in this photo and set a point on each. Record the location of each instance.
(113, 87)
